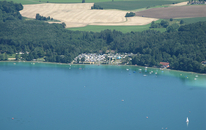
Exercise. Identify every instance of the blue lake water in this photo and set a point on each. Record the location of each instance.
(90, 97)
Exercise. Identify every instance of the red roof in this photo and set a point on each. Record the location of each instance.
(164, 63)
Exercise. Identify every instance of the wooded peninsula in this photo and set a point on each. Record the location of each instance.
(184, 48)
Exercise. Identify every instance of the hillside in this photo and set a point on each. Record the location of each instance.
(184, 48)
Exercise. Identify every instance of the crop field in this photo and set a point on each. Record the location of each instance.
(80, 1)
(80, 14)
(175, 12)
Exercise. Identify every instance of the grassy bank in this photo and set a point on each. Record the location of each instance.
(123, 29)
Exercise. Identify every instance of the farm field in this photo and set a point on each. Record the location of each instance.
(80, 15)
(79, 1)
(174, 12)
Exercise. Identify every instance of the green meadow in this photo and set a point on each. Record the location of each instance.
(133, 5)
(192, 20)
(124, 29)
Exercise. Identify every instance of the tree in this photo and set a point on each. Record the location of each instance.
(63, 25)
(96, 7)
(182, 22)
(164, 23)
(48, 18)
(6, 57)
(38, 17)
(1, 57)
(17, 56)
(130, 14)
(82, 59)
(172, 28)
(78, 60)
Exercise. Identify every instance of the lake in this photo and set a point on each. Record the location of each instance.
(40, 96)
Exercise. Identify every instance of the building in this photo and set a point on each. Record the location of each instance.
(165, 64)
(203, 62)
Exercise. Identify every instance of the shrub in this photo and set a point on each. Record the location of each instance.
(130, 14)
(96, 7)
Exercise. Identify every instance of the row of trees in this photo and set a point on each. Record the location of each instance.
(39, 17)
(164, 24)
(184, 48)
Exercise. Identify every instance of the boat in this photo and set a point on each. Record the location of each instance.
(187, 120)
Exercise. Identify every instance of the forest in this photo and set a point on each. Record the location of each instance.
(184, 48)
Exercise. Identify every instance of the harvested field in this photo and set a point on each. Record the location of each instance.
(180, 4)
(79, 15)
(175, 12)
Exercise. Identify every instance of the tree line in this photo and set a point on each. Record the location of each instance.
(184, 48)
(39, 17)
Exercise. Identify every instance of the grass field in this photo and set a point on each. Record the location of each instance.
(123, 29)
(133, 5)
(192, 20)
(79, 1)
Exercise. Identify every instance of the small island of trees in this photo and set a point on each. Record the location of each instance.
(130, 14)
(96, 7)
(39, 17)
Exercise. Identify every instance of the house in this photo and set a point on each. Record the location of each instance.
(165, 64)
(203, 62)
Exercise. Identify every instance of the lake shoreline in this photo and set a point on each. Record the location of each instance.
(106, 64)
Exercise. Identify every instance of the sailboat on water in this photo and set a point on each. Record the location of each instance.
(187, 121)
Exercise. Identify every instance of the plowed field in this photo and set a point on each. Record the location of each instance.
(175, 12)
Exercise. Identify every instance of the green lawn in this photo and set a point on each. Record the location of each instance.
(192, 20)
(133, 5)
(124, 29)
(87, 1)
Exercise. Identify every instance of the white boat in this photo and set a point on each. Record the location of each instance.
(187, 120)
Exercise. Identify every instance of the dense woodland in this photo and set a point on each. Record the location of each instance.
(184, 48)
